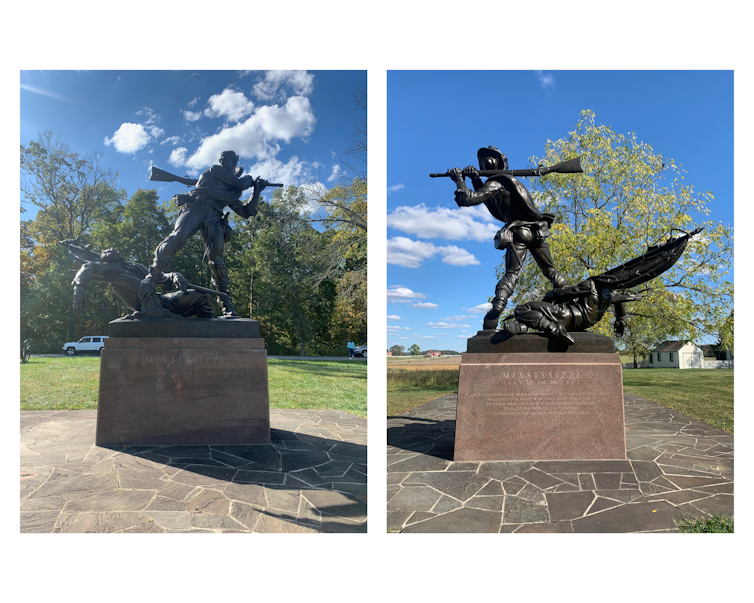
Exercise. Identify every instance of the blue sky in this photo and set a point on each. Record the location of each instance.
(441, 260)
(287, 126)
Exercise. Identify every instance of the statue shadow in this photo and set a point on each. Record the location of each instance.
(292, 462)
(430, 437)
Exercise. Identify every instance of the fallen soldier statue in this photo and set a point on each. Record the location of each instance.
(582, 306)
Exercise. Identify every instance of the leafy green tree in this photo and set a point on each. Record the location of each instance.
(343, 210)
(292, 296)
(414, 349)
(136, 228)
(72, 194)
(725, 335)
(397, 350)
(628, 198)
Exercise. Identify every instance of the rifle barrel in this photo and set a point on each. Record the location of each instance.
(572, 166)
(205, 290)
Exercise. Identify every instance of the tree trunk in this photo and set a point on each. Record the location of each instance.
(635, 363)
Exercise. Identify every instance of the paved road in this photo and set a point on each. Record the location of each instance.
(329, 358)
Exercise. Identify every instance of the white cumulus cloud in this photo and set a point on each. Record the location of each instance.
(407, 253)
(480, 308)
(337, 172)
(395, 187)
(402, 295)
(273, 84)
(230, 104)
(257, 136)
(129, 138)
(402, 251)
(393, 317)
(456, 256)
(466, 223)
(191, 115)
(294, 171)
(445, 325)
(178, 156)
(424, 306)
(171, 140)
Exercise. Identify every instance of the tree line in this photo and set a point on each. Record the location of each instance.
(298, 266)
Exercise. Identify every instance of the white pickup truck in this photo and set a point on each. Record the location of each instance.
(90, 345)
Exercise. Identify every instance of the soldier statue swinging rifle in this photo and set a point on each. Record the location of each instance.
(202, 209)
(526, 228)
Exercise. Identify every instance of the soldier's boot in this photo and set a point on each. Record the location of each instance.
(554, 329)
(227, 306)
(221, 283)
(515, 328)
(491, 319)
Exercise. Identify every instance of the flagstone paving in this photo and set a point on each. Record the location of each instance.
(677, 467)
(311, 479)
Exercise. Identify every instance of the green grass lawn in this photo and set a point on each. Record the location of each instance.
(703, 394)
(408, 389)
(713, 525)
(73, 383)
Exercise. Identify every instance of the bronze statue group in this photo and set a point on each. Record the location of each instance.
(202, 208)
(564, 308)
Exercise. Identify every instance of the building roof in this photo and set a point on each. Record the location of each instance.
(670, 346)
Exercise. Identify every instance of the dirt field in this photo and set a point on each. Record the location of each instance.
(424, 364)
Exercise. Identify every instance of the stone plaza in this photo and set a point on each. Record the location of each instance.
(312, 478)
(677, 468)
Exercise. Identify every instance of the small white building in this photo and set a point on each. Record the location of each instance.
(676, 354)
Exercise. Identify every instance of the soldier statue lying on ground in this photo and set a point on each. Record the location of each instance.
(126, 277)
(577, 308)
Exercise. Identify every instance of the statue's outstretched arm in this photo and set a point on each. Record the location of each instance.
(563, 294)
(467, 198)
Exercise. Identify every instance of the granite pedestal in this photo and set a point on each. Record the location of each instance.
(519, 401)
(184, 389)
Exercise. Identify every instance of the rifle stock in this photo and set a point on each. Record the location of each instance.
(158, 175)
(572, 166)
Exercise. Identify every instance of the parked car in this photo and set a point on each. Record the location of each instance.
(85, 345)
(360, 350)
